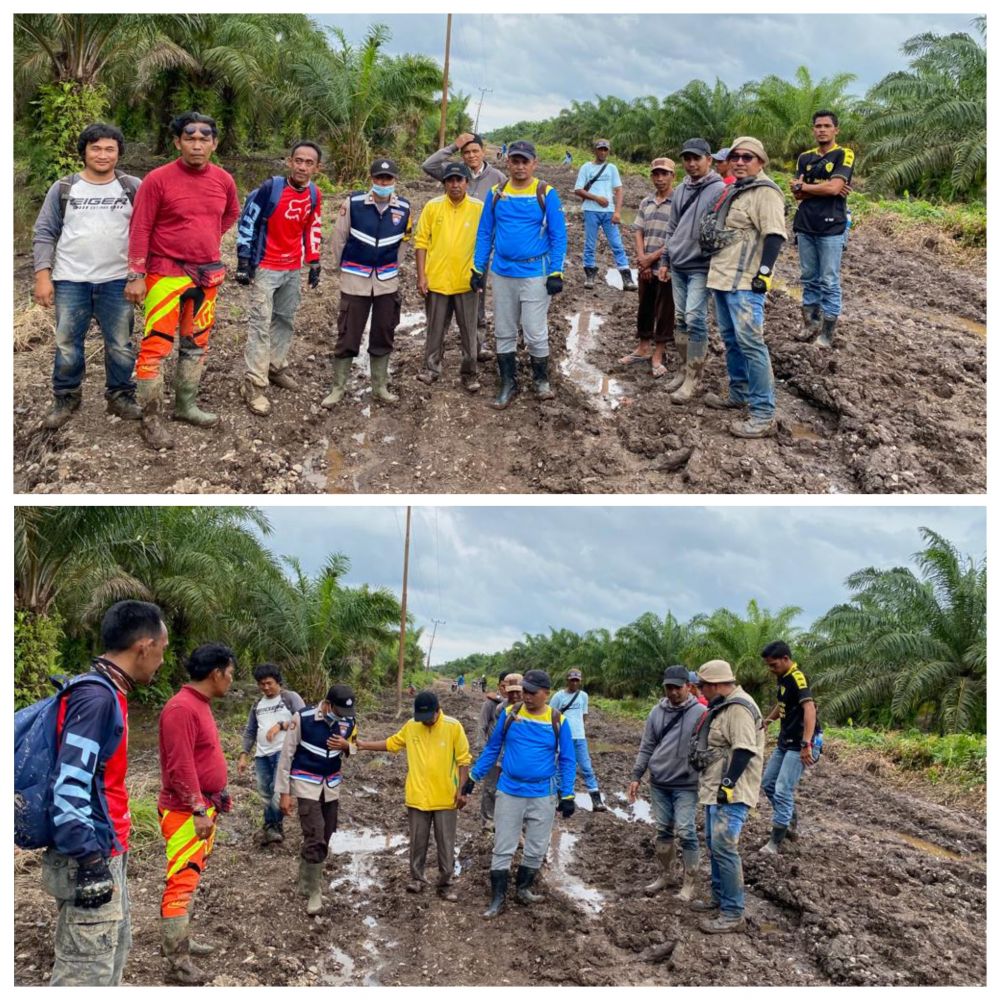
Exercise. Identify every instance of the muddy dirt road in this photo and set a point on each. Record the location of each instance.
(885, 887)
(897, 407)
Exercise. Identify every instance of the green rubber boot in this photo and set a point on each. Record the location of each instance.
(341, 373)
(189, 372)
(149, 395)
(380, 380)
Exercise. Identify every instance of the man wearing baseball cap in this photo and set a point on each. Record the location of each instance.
(370, 229)
(536, 781)
(437, 764)
(598, 184)
(510, 696)
(751, 219)
(673, 783)
(522, 228)
(730, 753)
(444, 243)
(574, 703)
(720, 160)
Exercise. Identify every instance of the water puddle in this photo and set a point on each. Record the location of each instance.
(558, 876)
(928, 848)
(358, 438)
(359, 848)
(614, 279)
(949, 319)
(792, 291)
(639, 811)
(803, 432)
(338, 957)
(413, 323)
(582, 338)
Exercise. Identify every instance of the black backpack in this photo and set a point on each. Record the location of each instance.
(713, 235)
(700, 756)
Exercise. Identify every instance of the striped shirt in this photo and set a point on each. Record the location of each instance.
(651, 220)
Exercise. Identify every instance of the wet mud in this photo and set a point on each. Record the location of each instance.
(886, 886)
(898, 406)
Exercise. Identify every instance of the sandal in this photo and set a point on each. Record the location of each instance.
(634, 359)
(659, 371)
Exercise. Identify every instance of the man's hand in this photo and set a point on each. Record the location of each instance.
(45, 291)
(286, 804)
(337, 742)
(468, 788)
(314, 273)
(478, 281)
(806, 753)
(663, 273)
(225, 801)
(646, 273)
(244, 273)
(554, 284)
(94, 884)
(272, 732)
(462, 139)
(600, 199)
(460, 800)
(761, 284)
(135, 291)
(422, 286)
(241, 764)
(724, 796)
(616, 217)
(566, 806)
(203, 826)
(633, 791)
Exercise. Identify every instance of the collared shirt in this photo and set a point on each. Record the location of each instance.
(734, 728)
(793, 693)
(825, 215)
(284, 784)
(652, 220)
(433, 756)
(356, 284)
(448, 233)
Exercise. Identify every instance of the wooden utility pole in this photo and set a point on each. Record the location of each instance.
(483, 91)
(444, 91)
(402, 620)
(437, 622)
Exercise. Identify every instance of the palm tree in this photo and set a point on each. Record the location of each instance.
(643, 650)
(926, 127)
(697, 110)
(912, 644)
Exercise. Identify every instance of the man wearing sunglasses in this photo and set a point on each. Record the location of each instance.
(752, 221)
(181, 212)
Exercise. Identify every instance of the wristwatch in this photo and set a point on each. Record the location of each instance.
(134, 275)
(764, 270)
(202, 811)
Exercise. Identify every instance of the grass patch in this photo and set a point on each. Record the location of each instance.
(624, 708)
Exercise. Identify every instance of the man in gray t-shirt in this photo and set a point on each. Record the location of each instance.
(81, 259)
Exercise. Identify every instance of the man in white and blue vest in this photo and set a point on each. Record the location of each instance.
(369, 230)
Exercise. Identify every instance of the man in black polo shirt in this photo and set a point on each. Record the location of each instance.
(799, 741)
(820, 188)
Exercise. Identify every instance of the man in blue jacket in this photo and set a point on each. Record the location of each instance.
(523, 228)
(539, 767)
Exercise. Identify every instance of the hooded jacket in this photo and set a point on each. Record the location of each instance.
(691, 200)
(663, 750)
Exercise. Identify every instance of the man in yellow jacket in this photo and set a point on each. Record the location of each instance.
(445, 241)
(437, 762)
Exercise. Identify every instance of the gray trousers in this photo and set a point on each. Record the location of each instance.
(534, 816)
(91, 946)
(274, 298)
(445, 822)
(488, 800)
(439, 310)
(521, 301)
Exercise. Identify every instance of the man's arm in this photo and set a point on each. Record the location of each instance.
(141, 227)
(379, 745)
(567, 761)
(834, 186)
(341, 231)
(490, 752)
(48, 228)
(232, 210)
(282, 776)
(435, 163)
(484, 234)
(556, 226)
(314, 231)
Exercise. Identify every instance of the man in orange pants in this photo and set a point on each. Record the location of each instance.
(175, 272)
(193, 792)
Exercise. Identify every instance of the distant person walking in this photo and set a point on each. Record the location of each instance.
(568, 159)
(574, 704)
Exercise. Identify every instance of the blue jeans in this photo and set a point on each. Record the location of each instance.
(819, 261)
(781, 778)
(583, 764)
(266, 769)
(674, 813)
(722, 837)
(690, 305)
(594, 221)
(77, 302)
(740, 316)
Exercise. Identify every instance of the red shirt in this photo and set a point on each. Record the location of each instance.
(293, 226)
(192, 764)
(180, 214)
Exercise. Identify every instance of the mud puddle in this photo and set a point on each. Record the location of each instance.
(360, 848)
(614, 279)
(608, 392)
(561, 856)
(321, 467)
(928, 848)
(640, 811)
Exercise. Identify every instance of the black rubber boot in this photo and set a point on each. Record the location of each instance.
(827, 330)
(589, 274)
(63, 407)
(507, 364)
(598, 802)
(498, 882)
(540, 378)
(777, 836)
(525, 876)
(792, 833)
(628, 284)
(810, 323)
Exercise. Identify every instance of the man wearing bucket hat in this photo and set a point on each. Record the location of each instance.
(749, 234)
(728, 750)
(574, 703)
(437, 764)
(536, 781)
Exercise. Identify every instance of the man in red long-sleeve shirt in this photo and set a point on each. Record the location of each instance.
(174, 270)
(192, 794)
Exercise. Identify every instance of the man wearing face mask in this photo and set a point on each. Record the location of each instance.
(370, 229)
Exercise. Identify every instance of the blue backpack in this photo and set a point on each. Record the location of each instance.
(35, 747)
(252, 227)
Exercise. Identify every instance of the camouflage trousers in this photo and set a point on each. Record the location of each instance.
(91, 946)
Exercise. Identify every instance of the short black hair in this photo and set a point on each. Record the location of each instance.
(126, 622)
(776, 650)
(310, 144)
(503, 674)
(182, 121)
(100, 130)
(264, 670)
(827, 114)
(211, 656)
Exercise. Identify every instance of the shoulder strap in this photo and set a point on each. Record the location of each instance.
(678, 716)
(127, 185)
(65, 185)
(569, 704)
(593, 180)
(276, 185)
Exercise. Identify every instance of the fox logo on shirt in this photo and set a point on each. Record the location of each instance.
(298, 209)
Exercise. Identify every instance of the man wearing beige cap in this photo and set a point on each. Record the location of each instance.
(510, 691)
(728, 751)
(749, 232)
(656, 301)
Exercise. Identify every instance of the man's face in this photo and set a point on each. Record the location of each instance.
(696, 166)
(710, 690)
(534, 701)
(456, 188)
(745, 163)
(149, 657)
(663, 180)
(778, 665)
(825, 132)
(303, 165)
(472, 154)
(601, 154)
(513, 696)
(573, 684)
(269, 687)
(383, 180)
(101, 156)
(196, 144)
(223, 679)
(521, 168)
(430, 722)
(676, 694)
(723, 168)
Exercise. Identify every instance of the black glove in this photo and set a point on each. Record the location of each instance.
(760, 284)
(314, 270)
(553, 284)
(225, 801)
(94, 884)
(468, 787)
(724, 796)
(566, 806)
(244, 272)
(478, 281)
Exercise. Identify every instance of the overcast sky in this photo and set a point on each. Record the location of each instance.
(537, 63)
(493, 573)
